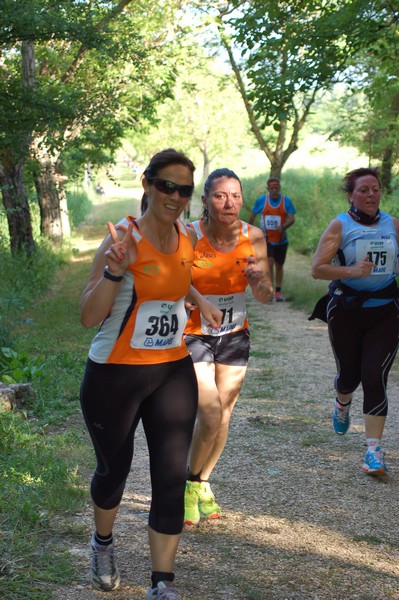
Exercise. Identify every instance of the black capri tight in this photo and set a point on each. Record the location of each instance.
(114, 398)
(365, 341)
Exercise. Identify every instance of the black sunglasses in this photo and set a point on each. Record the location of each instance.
(168, 187)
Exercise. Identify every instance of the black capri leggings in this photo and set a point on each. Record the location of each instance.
(365, 341)
(114, 398)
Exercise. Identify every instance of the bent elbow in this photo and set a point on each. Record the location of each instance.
(315, 273)
(86, 322)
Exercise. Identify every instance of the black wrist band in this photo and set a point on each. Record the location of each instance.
(111, 277)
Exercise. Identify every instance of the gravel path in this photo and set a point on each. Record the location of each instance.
(300, 518)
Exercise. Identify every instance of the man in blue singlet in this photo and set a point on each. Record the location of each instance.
(277, 213)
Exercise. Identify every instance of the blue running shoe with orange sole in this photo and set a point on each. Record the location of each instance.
(374, 463)
(341, 419)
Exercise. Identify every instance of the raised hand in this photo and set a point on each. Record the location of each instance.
(252, 271)
(118, 255)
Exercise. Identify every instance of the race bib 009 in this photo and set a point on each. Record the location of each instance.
(272, 221)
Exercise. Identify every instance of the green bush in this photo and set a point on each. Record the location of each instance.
(79, 206)
(24, 278)
(317, 197)
(19, 367)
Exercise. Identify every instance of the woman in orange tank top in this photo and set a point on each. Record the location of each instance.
(139, 367)
(230, 255)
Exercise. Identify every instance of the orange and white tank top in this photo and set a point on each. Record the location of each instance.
(148, 317)
(220, 278)
(273, 217)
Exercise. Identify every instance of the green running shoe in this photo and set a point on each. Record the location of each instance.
(191, 510)
(207, 505)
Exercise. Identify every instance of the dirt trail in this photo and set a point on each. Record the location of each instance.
(300, 518)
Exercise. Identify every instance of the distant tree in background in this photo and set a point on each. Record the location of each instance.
(285, 53)
(368, 114)
(204, 117)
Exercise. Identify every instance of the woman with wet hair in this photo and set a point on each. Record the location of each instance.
(230, 256)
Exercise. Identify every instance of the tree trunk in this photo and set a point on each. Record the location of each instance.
(12, 165)
(16, 204)
(50, 211)
(276, 166)
(65, 225)
(386, 169)
(206, 164)
(279, 155)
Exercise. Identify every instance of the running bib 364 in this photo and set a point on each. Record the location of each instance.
(159, 324)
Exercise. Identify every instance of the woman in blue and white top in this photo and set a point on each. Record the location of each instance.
(359, 252)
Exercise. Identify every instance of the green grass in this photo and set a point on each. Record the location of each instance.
(41, 483)
(299, 287)
(317, 197)
(44, 452)
(23, 280)
(368, 539)
(112, 210)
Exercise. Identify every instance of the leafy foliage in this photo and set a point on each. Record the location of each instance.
(90, 70)
(204, 101)
(19, 367)
(285, 54)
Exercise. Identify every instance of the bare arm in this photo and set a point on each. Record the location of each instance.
(116, 252)
(209, 311)
(194, 299)
(257, 271)
(290, 220)
(326, 250)
(251, 218)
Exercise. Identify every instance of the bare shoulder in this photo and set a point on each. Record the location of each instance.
(334, 228)
(255, 233)
(335, 225)
(192, 236)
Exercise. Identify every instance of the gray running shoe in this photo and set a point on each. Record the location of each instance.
(164, 590)
(104, 572)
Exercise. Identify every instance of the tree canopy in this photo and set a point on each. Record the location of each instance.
(285, 53)
(75, 75)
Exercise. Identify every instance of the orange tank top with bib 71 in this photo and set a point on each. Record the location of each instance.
(219, 276)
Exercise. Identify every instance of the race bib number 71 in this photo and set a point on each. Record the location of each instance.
(234, 314)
